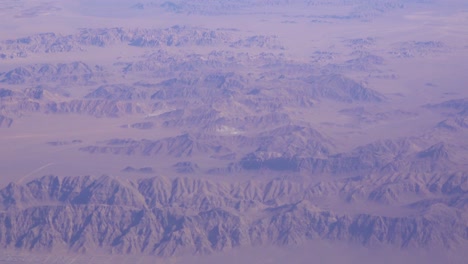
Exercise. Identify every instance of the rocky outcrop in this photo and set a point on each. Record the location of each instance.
(459, 106)
(5, 93)
(63, 73)
(361, 10)
(103, 37)
(419, 49)
(186, 167)
(270, 42)
(5, 121)
(116, 92)
(64, 143)
(385, 156)
(97, 107)
(185, 145)
(453, 124)
(130, 169)
(340, 88)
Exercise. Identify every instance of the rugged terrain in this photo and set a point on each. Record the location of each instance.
(183, 128)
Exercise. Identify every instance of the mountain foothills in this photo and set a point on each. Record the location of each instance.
(168, 217)
(180, 128)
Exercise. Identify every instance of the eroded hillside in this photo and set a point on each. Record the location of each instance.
(232, 125)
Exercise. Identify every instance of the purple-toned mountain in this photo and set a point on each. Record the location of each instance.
(168, 217)
(63, 73)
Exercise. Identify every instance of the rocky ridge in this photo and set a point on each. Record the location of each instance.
(359, 9)
(166, 217)
(177, 36)
(5, 121)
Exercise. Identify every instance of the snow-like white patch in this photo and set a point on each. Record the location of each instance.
(228, 130)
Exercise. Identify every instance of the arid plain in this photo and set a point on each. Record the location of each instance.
(208, 130)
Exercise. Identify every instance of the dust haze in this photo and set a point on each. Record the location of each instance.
(246, 131)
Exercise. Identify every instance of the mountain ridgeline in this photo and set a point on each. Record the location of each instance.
(167, 217)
